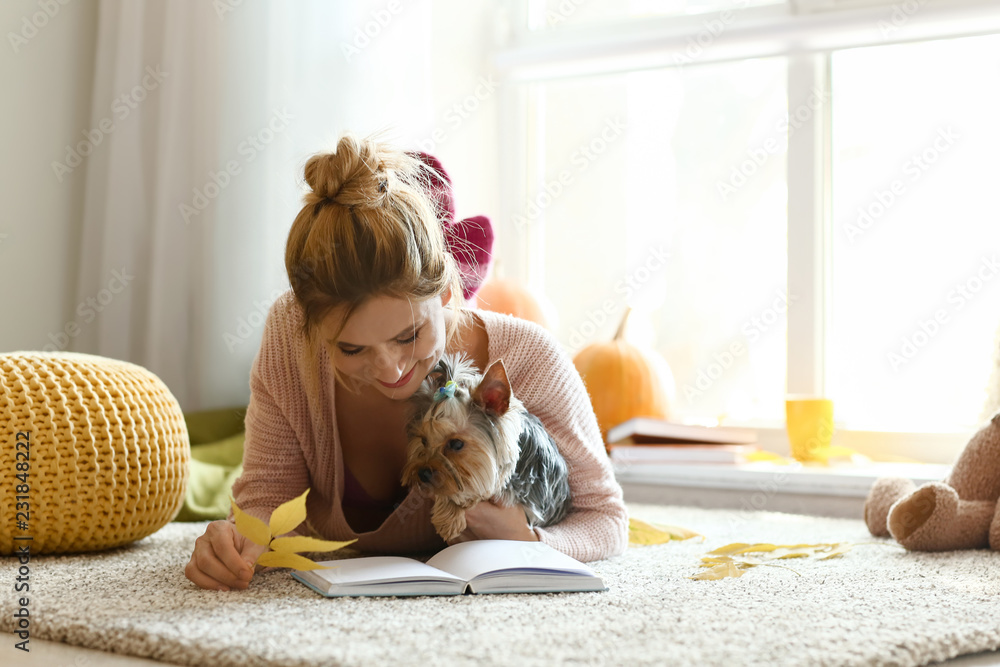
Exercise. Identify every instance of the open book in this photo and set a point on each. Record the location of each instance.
(480, 566)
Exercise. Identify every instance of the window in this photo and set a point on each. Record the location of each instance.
(716, 190)
(915, 298)
(669, 187)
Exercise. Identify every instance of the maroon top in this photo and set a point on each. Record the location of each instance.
(356, 496)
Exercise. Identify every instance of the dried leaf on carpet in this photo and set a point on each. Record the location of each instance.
(734, 559)
(641, 533)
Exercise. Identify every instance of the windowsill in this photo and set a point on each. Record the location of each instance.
(837, 491)
(916, 447)
(849, 481)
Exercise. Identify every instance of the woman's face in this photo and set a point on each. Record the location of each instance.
(389, 344)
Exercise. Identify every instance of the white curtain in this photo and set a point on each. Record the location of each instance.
(214, 107)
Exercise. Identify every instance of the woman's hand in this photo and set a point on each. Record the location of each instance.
(489, 521)
(222, 559)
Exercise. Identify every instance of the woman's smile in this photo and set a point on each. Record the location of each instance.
(401, 382)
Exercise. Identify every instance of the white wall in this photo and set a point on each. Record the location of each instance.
(46, 89)
(47, 106)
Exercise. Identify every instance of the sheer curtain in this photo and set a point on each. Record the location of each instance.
(208, 112)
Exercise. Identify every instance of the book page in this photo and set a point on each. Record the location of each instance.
(468, 560)
(374, 569)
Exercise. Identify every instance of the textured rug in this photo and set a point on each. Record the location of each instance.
(875, 605)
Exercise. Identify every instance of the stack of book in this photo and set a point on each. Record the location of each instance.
(648, 440)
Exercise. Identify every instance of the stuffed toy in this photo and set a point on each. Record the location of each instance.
(470, 240)
(959, 513)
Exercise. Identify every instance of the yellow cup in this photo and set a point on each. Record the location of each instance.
(809, 421)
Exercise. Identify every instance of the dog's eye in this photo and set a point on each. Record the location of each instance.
(455, 444)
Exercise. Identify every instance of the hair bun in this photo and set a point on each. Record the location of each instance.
(349, 176)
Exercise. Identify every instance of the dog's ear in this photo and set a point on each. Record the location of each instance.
(493, 392)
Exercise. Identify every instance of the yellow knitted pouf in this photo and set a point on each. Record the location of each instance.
(95, 453)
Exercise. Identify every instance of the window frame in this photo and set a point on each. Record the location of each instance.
(806, 32)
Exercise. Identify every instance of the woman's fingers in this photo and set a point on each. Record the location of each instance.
(226, 543)
(216, 562)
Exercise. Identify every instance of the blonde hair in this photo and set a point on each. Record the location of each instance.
(368, 228)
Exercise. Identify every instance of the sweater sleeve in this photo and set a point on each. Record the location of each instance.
(274, 468)
(551, 388)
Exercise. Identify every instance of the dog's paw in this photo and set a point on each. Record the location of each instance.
(448, 520)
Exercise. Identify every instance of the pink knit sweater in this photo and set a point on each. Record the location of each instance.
(290, 448)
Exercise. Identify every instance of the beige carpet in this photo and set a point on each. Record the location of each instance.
(877, 605)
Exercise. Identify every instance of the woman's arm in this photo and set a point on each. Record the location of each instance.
(544, 378)
(274, 469)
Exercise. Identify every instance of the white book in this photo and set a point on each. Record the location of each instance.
(479, 566)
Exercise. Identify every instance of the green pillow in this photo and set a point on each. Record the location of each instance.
(216, 461)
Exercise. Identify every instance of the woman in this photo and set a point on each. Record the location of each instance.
(375, 302)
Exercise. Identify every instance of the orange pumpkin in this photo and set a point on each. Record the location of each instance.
(624, 381)
(504, 296)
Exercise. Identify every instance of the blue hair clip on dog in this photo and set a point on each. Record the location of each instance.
(447, 391)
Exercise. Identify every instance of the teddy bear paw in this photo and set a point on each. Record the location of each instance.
(910, 521)
(934, 518)
(883, 494)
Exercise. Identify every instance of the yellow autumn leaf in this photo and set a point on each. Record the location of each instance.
(729, 548)
(769, 457)
(303, 543)
(720, 571)
(714, 560)
(744, 562)
(251, 527)
(287, 516)
(743, 548)
(755, 548)
(721, 561)
(283, 559)
(837, 551)
(641, 533)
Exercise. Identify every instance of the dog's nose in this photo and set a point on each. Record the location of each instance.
(425, 475)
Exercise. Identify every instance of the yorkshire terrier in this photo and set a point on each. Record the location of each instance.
(471, 440)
